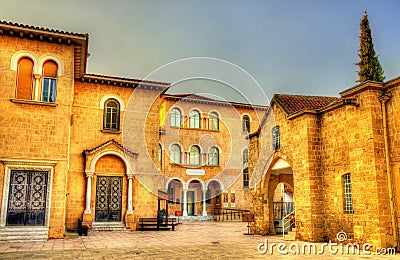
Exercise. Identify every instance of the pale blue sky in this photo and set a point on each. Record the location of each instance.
(288, 46)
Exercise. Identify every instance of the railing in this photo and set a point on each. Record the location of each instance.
(287, 222)
(222, 214)
(282, 209)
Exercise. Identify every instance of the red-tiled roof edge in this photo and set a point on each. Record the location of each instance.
(199, 98)
(328, 102)
(41, 29)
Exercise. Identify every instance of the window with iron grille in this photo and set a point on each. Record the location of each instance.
(111, 115)
(348, 196)
(246, 124)
(276, 142)
(246, 168)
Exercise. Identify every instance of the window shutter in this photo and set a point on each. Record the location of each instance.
(25, 78)
(50, 69)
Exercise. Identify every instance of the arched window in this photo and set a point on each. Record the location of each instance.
(276, 142)
(111, 115)
(175, 153)
(175, 117)
(347, 194)
(245, 168)
(159, 156)
(214, 156)
(213, 122)
(194, 119)
(24, 78)
(245, 124)
(49, 86)
(194, 155)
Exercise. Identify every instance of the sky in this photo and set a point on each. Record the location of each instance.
(305, 47)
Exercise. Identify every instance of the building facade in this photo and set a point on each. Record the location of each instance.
(98, 148)
(340, 156)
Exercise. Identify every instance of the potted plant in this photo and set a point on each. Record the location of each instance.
(161, 215)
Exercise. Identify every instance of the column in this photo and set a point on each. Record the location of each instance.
(204, 202)
(129, 210)
(89, 176)
(185, 213)
(36, 87)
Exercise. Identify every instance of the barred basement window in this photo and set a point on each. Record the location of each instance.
(111, 115)
(348, 197)
(276, 142)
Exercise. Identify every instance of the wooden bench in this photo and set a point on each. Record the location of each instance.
(157, 224)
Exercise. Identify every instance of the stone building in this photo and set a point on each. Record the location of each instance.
(93, 147)
(340, 156)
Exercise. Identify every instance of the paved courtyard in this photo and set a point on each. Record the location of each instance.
(201, 240)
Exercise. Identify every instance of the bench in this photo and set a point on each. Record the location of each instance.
(157, 224)
(82, 229)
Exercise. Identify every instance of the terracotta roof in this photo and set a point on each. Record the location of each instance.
(124, 82)
(295, 103)
(38, 29)
(206, 100)
(78, 40)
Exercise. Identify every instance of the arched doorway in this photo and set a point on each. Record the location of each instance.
(213, 196)
(110, 186)
(194, 197)
(279, 189)
(174, 191)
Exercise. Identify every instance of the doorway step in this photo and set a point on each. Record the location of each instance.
(20, 234)
(196, 218)
(108, 226)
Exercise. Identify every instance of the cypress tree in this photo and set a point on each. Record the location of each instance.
(370, 68)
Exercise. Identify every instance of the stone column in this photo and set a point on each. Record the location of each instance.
(185, 213)
(129, 209)
(89, 176)
(36, 87)
(204, 202)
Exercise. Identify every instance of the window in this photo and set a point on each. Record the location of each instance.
(175, 154)
(111, 115)
(194, 119)
(208, 197)
(194, 155)
(25, 78)
(175, 117)
(159, 157)
(246, 168)
(348, 197)
(214, 156)
(276, 138)
(213, 121)
(171, 194)
(246, 124)
(49, 85)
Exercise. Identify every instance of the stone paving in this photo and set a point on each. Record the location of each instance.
(202, 240)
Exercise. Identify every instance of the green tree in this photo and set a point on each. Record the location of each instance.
(370, 68)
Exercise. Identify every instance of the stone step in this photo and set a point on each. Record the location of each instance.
(290, 237)
(108, 226)
(196, 218)
(23, 234)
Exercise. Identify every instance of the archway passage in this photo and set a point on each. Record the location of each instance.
(279, 208)
(175, 202)
(213, 197)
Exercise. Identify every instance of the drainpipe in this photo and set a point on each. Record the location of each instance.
(384, 99)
